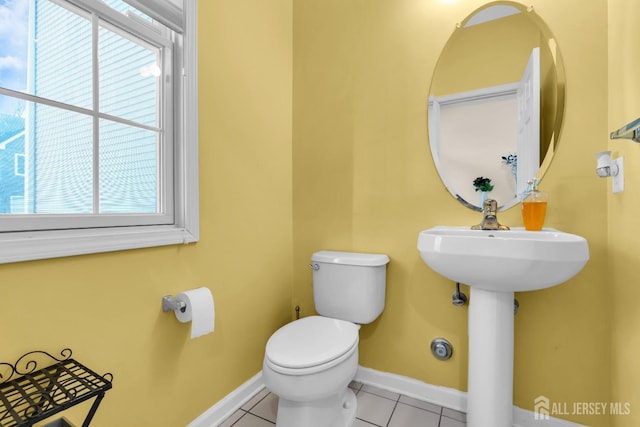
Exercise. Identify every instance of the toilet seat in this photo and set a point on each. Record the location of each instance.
(311, 344)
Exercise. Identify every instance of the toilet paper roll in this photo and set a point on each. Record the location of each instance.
(199, 310)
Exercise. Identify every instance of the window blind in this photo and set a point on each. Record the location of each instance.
(167, 12)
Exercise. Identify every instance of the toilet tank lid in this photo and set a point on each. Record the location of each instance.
(350, 258)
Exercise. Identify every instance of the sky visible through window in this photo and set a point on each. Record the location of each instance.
(14, 17)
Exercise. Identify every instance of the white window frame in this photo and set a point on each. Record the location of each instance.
(34, 245)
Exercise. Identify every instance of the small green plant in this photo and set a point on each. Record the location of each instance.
(482, 184)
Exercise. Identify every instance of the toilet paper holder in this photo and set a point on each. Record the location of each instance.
(170, 303)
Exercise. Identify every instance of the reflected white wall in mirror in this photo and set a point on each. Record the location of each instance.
(500, 50)
(491, 124)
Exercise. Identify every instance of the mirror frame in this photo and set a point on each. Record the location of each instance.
(552, 137)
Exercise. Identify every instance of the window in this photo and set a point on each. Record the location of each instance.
(18, 164)
(98, 126)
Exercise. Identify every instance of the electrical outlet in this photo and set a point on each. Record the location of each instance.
(617, 181)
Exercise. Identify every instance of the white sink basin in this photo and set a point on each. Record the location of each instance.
(496, 264)
(514, 260)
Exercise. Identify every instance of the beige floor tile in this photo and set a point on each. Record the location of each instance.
(421, 404)
(233, 418)
(250, 420)
(380, 392)
(450, 422)
(255, 399)
(456, 415)
(408, 416)
(267, 408)
(374, 409)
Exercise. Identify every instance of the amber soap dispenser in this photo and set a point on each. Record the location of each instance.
(534, 206)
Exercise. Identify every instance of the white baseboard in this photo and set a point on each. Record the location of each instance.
(447, 397)
(525, 418)
(442, 396)
(222, 410)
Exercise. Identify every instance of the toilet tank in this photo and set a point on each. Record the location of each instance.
(349, 286)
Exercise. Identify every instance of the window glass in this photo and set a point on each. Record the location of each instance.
(60, 152)
(49, 54)
(97, 152)
(76, 159)
(128, 169)
(12, 143)
(19, 165)
(56, 148)
(61, 57)
(14, 45)
(128, 78)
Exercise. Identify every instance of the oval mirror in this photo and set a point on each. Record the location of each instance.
(496, 104)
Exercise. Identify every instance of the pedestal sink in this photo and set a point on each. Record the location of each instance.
(495, 264)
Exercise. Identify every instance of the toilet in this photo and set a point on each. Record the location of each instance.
(310, 362)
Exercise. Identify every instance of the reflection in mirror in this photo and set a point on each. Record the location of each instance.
(496, 104)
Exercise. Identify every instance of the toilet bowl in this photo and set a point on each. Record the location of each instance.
(310, 362)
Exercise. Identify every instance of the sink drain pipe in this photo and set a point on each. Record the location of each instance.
(458, 298)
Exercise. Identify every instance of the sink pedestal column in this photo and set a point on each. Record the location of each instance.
(490, 381)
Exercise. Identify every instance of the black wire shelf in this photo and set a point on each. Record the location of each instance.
(29, 394)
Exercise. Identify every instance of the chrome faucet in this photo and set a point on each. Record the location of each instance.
(489, 217)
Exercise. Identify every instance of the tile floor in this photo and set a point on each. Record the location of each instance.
(376, 408)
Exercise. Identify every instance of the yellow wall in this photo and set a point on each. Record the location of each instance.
(107, 307)
(363, 180)
(624, 227)
(313, 136)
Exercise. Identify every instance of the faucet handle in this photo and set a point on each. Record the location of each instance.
(489, 206)
(489, 217)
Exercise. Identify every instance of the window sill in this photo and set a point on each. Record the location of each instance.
(29, 246)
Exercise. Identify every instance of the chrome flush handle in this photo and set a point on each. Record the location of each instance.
(314, 267)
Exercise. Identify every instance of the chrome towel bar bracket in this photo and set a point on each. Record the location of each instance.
(630, 131)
